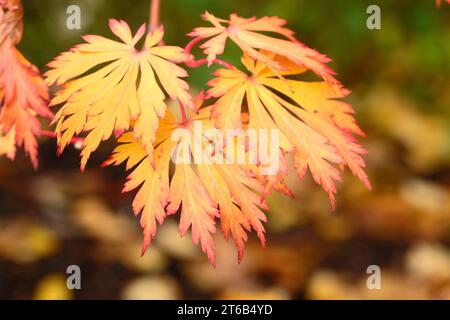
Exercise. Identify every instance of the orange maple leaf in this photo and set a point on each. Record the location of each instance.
(11, 27)
(202, 191)
(123, 90)
(313, 125)
(23, 94)
(244, 33)
(109, 87)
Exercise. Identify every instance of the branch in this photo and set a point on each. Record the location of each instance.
(191, 45)
(197, 63)
(183, 113)
(76, 141)
(154, 23)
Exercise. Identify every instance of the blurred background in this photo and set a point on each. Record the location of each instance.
(400, 80)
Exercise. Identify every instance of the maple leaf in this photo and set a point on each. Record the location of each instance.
(23, 94)
(11, 27)
(243, 32)
(203, 190)
(273, 181)
(313, 125)
(122, 90)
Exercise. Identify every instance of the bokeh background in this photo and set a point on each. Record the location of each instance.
(400, 80)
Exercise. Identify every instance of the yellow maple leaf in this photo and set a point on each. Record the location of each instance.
(313, 125)
(124, 89)
(203, 190)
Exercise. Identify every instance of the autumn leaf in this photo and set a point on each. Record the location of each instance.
(245, 34)
(124, 88)
(314, 126)
(121, 88)
(203, 191)
(23, 94)
(273, 181)
(11, 27)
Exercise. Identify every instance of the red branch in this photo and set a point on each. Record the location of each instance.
(192, 63)
(191, 45)
(198, 63)
(183, 113)
(51, 134)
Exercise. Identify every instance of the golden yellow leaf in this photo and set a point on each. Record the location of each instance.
(313, 125)
(203, 190)
(108, 85)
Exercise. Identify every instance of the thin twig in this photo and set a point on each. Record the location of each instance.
(183, 113)
(191, 45)
(51, 134)
(155, 7)
(198, 63)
